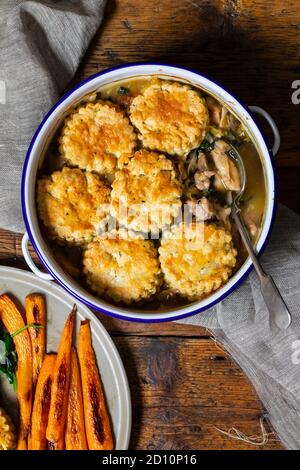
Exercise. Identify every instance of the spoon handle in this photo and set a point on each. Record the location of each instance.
(272, 297)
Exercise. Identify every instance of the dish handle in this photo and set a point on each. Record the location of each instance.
(272, 124)
(28, 259)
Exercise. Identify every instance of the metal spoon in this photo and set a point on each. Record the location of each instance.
(272, 297)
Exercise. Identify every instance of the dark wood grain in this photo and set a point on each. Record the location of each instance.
(185, 388)
(183, 385)
(250, 47)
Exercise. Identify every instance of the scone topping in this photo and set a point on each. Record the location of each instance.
(72, 204)
(196, 258)
(170, 118)
(125, 270)
(97, 137)
(146, 193)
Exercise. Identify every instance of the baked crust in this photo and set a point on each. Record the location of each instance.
(196, 258)
(146, 193)
(72, 204)
(97, 137)
(170, 117)
(121, 268)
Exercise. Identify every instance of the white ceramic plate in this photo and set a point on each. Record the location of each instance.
(59, 303)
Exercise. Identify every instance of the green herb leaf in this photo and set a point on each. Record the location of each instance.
(14, 382)
(9, 375)
(29, 325)
(207, 144)
(210, 192)
(13, 354)
(8, 343)
(123, 91)
(8, 355)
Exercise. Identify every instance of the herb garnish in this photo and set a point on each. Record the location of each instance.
(123, 91)
(8, 359)
(8, 355)
(207, 145)
(210, 192)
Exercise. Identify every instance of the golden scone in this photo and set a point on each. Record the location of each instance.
(96, 136)
(8, 436)
(170, 117)
(146, 193)
(72, 204)
(123, 269)
(196, 258)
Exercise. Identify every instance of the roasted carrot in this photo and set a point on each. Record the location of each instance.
(97, 423)
(36, 313)
(75, 438)
(60, 387)
(13, 322)
(40, 410)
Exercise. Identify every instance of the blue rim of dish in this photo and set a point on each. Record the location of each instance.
(63, 284)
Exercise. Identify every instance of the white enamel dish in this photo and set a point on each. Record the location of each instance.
(21, 283)
(47, 129)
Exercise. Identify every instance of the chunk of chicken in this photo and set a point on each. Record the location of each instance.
(202, 164)
(233, 122)
(203, 209)
(203, 175)
(218, 114)
(223, 215)
(192, 162)
(214, 109)
(202, 179)
(225, 168)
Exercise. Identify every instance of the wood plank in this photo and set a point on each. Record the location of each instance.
(288, 187)
(121, 327)
(183, 385)
(190, 428)
(183, 388)
(248, 46)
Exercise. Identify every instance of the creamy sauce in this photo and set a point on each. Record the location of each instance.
(255, 194)
(253, 204)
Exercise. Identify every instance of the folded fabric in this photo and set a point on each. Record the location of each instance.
(242, 325)
(41, 44)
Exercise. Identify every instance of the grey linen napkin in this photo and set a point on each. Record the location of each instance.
(242, 325)
(41, 45)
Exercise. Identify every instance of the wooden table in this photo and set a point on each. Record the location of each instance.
(183, 385)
